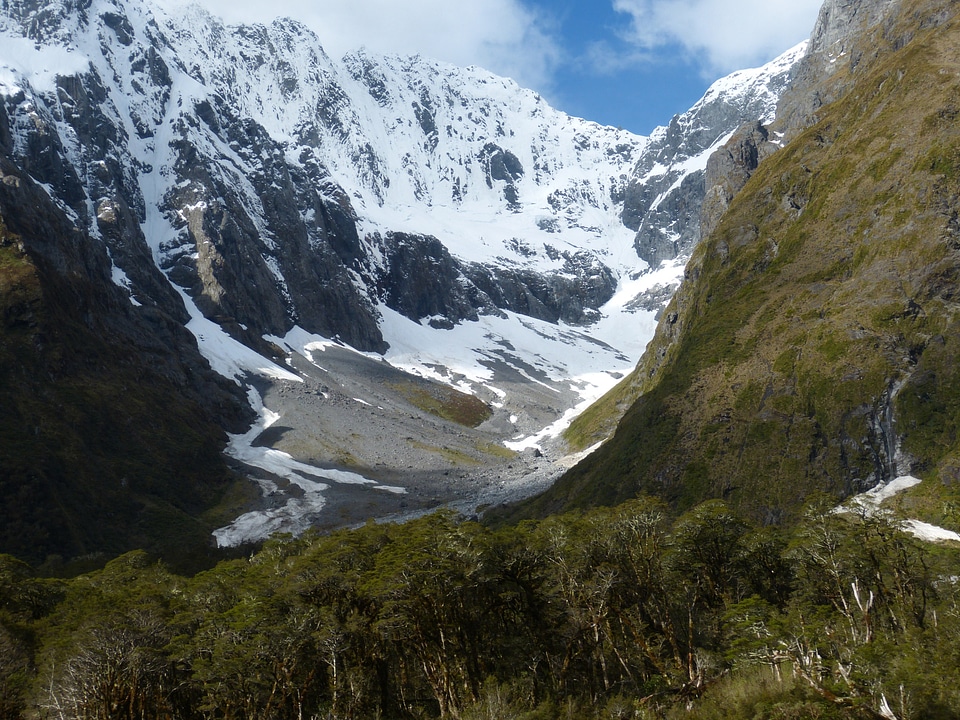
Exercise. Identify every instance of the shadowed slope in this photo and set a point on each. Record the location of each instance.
(105, 444)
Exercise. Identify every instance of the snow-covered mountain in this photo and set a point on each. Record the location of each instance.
(267, 196)
(246, 164)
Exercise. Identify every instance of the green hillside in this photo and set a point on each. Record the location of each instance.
(818, 326)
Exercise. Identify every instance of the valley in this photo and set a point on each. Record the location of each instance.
(375, 387)
(238, 182)
(367, 436)
(357, 436)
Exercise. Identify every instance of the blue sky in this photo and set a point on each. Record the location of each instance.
(627, 63)
(604, 76)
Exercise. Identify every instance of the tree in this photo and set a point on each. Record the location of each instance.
(103, 654)
(439, 606)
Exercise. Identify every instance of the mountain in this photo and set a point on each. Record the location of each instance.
(813, 343)
(201, 202)
(112, 421)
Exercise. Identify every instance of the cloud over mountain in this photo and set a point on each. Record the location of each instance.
(505, 36)
(722, 34)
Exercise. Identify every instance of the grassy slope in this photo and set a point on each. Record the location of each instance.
(830, 284)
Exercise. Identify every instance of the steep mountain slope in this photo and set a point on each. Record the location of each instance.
(112, 422)
(255, 165)
(664, 198)
(813, 345)
(238, 182)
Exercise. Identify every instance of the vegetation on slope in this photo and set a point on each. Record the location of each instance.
(818, 326)
(611, 614)
(444, 401)
(105, 445)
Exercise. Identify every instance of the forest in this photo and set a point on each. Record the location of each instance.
(625, 612)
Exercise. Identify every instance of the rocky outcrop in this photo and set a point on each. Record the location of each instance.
(502, 166)
(728, 170)
(848, 35)
(842, 22)
(670, 227)
(662, 201)
(286, 264)
(573, 296)
(422, 281)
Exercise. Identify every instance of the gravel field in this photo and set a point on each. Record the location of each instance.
(353, 413)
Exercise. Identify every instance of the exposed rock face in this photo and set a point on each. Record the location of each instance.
(286, 263)
(841, 21)
(728, 170)
(845, 31)
(845, 35)
(502, 165)
(573, 295)
(423, 281)
(670, 227)
(663, 200)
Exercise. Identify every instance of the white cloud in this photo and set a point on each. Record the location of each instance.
(502, 36)
(724, 35)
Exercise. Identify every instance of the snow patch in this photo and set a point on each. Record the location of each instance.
(120, 279)
(928, 532)
(297, 513)
(391, 489)
(591, 388)
(22, 61)
(871, 500)
(227, 356)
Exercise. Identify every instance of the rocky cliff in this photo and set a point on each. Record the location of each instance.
(664, 198)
